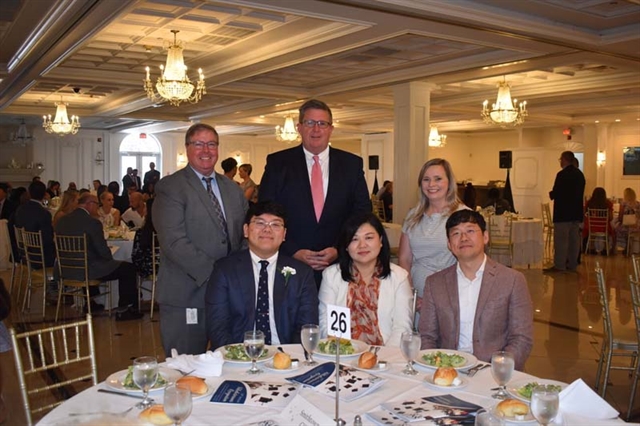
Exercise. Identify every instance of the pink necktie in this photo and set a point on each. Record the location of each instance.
(317, 191)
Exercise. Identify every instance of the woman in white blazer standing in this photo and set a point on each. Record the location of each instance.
(376, 291)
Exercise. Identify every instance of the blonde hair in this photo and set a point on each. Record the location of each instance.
(629, 195)
(69, 200)
(451, 197)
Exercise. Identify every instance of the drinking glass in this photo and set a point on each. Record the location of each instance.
(544, 404)
(502, 365)
(253, 346)
(145, 375)
(485, 417)
(310, 336)
(410, 346)
(177, 402)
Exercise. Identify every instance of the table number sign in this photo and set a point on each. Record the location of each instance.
(339, 321)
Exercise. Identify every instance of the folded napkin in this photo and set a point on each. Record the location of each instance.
(580, 399)
(208, 364)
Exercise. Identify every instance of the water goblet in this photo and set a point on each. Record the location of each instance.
(253, 346)
(177, 402)
(485, 417)
(145, 375)
(410, 343)
(310, 336)
(502, 365)
(545, 402)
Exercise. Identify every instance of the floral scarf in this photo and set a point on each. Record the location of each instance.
(362, 299)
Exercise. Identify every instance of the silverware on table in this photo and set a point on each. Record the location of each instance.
(120, 393)
(472, 372)
(183, 373)
(108, 413)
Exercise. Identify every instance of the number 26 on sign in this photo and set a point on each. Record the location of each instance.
(339, 321)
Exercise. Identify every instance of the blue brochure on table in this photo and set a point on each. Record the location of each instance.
(275, 395)
(353, 383)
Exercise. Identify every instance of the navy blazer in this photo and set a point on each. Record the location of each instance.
(286, 181)
(230, 299)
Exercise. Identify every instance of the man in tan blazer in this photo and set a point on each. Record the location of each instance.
(477, 305)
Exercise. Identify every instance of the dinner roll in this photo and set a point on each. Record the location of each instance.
(195, 384)
(281, 361)
(444, 376)
(156, 415)
(367, 360)
(512, 408)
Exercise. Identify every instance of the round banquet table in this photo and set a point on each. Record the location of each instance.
(398, 388)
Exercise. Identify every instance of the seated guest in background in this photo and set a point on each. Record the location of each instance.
(599, 200)
(68, 204)
(149, 191)
(134, 216)
(495, 200)
(249, 187)
(376, 291)
(285, 302)
(96, 184)
(7, 206)
(54, 189)
(630, 206)
(34, 217)
(120, 202)
(72, 185)
(102, 266)
(142, 253)
(387, 200)
(229, 167)
(108, 215)
(477, 305)
(100, 189)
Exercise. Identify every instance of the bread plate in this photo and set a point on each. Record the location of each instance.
(358, 348)
(526, 419)
(469, 359)
(211, 387)
(269, 366)
(268, 353)
(376, 368)
(116, 380)
(429, 381)
(514, 387)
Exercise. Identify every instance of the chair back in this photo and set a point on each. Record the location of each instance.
(33, 249)
(604, 303)
(598, 221)
(19, 242)
(547, 220)
(378, 208)
(635, 302)
(72, 257)
(68, 348)
(635, 260)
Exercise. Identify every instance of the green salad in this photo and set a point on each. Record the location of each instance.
(441, 359)
(237, 353)
(128, 382)
(329, 347)
(526, 390)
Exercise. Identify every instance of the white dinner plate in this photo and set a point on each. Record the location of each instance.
(429, 381)
(358, 348)
(512, 388)
(469, 358)
(527, 419)
(376, 368)
(271, 351)
(269, 366)
(115, 380)
(211, 387)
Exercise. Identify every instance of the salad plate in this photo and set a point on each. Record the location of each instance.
(435, 358)
(235, 354)
(116, 381)
(350, 349)
(521, 389)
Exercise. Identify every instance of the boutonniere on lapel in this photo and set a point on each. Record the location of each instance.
(287, 271)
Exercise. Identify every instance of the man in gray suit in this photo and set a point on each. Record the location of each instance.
(477, 305)
(198, 215)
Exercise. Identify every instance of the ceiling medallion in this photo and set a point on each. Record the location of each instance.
(436, 140)
(61, 125)
(288, 132)
(504, 112)
(173, 84)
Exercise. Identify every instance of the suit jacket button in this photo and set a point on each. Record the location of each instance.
(224, 242)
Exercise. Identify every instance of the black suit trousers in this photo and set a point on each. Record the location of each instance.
(125, 273)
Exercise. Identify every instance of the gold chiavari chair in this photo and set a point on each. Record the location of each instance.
(635, 300)
(501, 235)
(597, 226)
(378, 208)
(38, 274)
(548, 230)
(22, 260)
(635, 260)
(68, 348)
(155, 258)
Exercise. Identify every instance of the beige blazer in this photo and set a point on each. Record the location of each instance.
(503, 320)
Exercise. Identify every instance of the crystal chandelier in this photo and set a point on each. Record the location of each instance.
(504, 112)
(436, 140)
(288, 132)
(173, 84)
(61, 124)
(22, 136)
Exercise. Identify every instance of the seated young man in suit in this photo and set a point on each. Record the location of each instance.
(477, 305)
(260, 286)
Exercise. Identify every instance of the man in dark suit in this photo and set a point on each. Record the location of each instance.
(319, 187)
(7, 207)
(136, 180)
(34, 217)
(285, 301)
(152, 176)
(102, 266)
(127, 180)
(476, 305)
(198, 215)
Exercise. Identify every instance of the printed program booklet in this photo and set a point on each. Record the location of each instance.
(439, 410)
(273, 395)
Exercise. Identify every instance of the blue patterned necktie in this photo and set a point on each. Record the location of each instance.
(262, 305)
(218, 210)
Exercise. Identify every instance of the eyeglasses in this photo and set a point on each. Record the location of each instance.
(311, 123)
(201, 145)
(261, 225)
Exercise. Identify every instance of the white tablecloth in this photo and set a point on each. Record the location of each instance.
(5, 245)
(528, 244)
(398, 388)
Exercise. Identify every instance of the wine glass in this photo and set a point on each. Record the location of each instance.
(485, 417)
(410, 346)
(502, 365)
(544, 404)
(253, 346)
(145, 375)
(310, 336)
(177, 402)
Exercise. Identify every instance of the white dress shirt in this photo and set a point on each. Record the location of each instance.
(468, 293)
(323, 159)
(271, 270)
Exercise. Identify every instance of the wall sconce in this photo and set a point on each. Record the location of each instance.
(99, 158)
(601, 159)
(182, 160)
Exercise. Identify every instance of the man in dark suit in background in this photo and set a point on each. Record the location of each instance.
(198, 215)
(285, 301)
(152, 176)
(136, 180)
(34, 217)
(102, 266)
(7, 207)
(319, 187)
(127, 180)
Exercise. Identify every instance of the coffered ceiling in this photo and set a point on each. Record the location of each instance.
(574, 61)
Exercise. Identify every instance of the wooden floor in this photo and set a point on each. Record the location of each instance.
(568, 331)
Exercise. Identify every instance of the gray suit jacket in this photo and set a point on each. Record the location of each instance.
(191, 240)
(503, 320)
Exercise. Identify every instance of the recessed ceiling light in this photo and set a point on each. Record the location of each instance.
(597, 121)
(538, 310)
(262, 116)
(617, 120)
